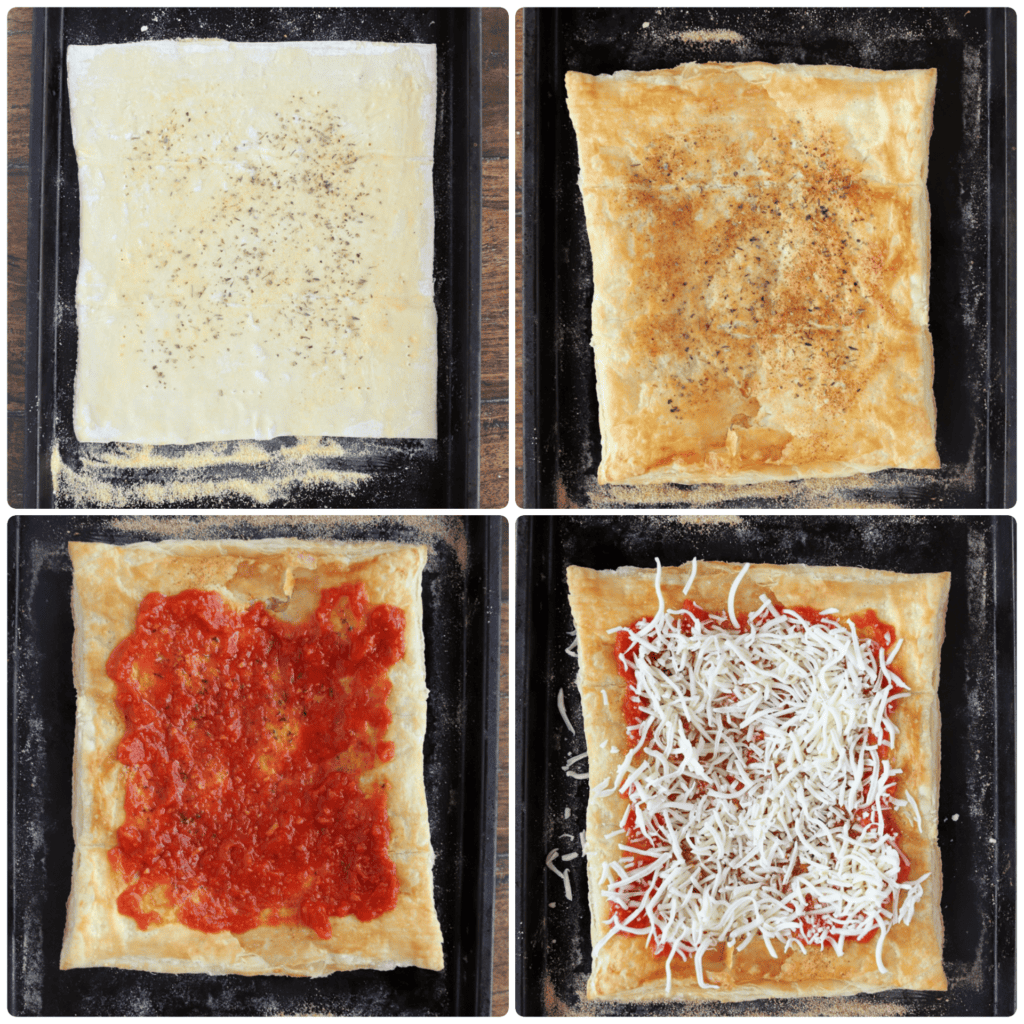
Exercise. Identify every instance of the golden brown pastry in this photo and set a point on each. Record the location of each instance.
(761, 253)
(288, 576)
(625, 967)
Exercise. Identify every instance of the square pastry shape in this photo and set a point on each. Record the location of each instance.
(110, 581)
(257, 240)
(624, 968)
(761, 252)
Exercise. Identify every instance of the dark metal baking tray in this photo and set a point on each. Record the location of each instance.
(976, 696)
(462, 612)
(973, 275)
(395, 473)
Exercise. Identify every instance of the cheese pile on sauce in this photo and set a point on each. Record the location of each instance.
(759, 783)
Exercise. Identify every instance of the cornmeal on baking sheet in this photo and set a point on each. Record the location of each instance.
(761, 254)
(248, 790)
(763, 747)
(256, 240)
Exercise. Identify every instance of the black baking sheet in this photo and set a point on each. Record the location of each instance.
(461, 606)
(976, 697)
(971, 187)
(394, 473)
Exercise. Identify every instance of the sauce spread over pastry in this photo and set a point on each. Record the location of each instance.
(760, 788)
(246, 742)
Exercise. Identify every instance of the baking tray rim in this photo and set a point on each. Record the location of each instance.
(539, 420)
(531, 592)
(472, 990)
(458, 451)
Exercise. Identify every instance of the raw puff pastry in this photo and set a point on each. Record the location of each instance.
(288, 575)
(761, 253)
(257, 240)
(915, 605)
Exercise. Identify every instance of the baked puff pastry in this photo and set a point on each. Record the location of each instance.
(763, 806)
(290, 578)
(761, 253)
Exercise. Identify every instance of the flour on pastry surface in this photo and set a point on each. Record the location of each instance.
(761, 256)
(256, 240)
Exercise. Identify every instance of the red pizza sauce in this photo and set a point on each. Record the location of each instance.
(246, 742)
(868, 626)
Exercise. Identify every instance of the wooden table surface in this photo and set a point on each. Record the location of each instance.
(520, 481)
(19, 59)
(494, 430)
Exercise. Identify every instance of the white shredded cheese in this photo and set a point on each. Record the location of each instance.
(693, 576)
(916, 809)
(573, 649)
(732, 595)
(563, 875)
(560, 701)
(758, 781)
(550, 862)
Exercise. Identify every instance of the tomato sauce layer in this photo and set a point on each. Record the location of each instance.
(246, 743)
(868, 626)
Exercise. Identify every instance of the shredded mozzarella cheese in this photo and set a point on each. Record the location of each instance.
(758, 782)
(560, 701)
(693, 575)
(573, 649)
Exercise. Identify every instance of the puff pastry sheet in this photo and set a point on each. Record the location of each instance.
(761, 253)
(624, 969)
(256, 240)
(287, 575)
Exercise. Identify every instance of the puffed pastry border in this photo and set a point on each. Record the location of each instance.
(287, 575)
(624, 969)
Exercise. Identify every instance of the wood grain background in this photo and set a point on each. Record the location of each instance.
(520, 484)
